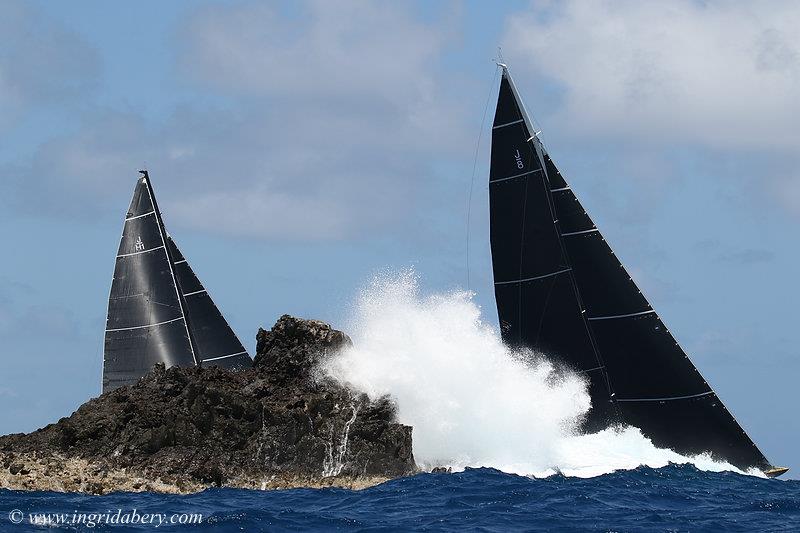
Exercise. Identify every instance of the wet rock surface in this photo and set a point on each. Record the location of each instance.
(279, 424)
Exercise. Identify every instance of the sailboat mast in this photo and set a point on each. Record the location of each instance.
(163, 232)
(540, 154)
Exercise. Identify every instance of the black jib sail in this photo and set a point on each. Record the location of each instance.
(158, 311)
(561, 290)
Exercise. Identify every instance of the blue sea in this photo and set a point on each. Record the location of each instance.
(673, 498)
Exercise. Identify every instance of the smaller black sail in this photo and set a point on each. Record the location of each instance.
(158, 311)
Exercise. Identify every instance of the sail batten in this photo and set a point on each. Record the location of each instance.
(594, 319)
(147, 325)
(150, 320)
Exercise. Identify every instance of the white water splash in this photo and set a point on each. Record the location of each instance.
(470, 400)
(332, 465)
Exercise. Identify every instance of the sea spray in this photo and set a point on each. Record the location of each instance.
(470, 399)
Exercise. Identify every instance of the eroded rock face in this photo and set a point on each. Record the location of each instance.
(276, 424)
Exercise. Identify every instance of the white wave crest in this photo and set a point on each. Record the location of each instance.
(471, 400)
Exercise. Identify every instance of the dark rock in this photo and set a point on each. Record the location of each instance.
(295, 347)
(214, 427)
(441, 470)
(16, 468)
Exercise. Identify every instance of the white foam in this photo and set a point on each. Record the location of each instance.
(471, 401)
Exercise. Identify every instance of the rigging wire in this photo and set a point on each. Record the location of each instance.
(475, 167)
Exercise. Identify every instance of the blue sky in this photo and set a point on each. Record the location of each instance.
(297, 148)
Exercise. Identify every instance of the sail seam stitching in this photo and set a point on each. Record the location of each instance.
(146, 325)
(224, 356)
(516, 176)
(195, 292)
(609, 317)
(507, 124)
(665, 399)
(579, 232)
(140, 252)
(139, 216)
(533, 278)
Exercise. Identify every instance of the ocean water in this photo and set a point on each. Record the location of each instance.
(672, 498)
(507, 424)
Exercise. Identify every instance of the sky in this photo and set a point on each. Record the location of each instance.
(298, 148)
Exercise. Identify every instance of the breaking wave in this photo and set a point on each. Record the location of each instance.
(471, 400)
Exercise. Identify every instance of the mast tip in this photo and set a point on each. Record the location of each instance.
(499, 60)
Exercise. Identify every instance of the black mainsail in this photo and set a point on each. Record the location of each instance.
(561, 290)
(158, 311)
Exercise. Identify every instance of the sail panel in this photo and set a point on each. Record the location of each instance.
(644, 360)
(557, 181)
(215, 342)
(523, 230)
(572, 218)
(693, 426)
(508, 299)
(141, 203)
(183, 272)
(553, 316)
(508, 110)
(131, 353)
(605, 287)
(142, 292)
(511, 153)
(140, 235)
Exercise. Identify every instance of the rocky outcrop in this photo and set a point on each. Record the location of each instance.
(278, 424)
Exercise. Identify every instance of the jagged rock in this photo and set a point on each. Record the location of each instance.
(277, 424)
(294, 348)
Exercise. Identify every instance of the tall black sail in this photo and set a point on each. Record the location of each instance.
(155, 314)
(561, 290)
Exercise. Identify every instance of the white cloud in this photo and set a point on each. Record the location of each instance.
(342, 50)
(726, 74)
(329, 119)
(41, 62)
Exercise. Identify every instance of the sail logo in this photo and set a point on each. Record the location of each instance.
(518, 158)
(138, 245)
